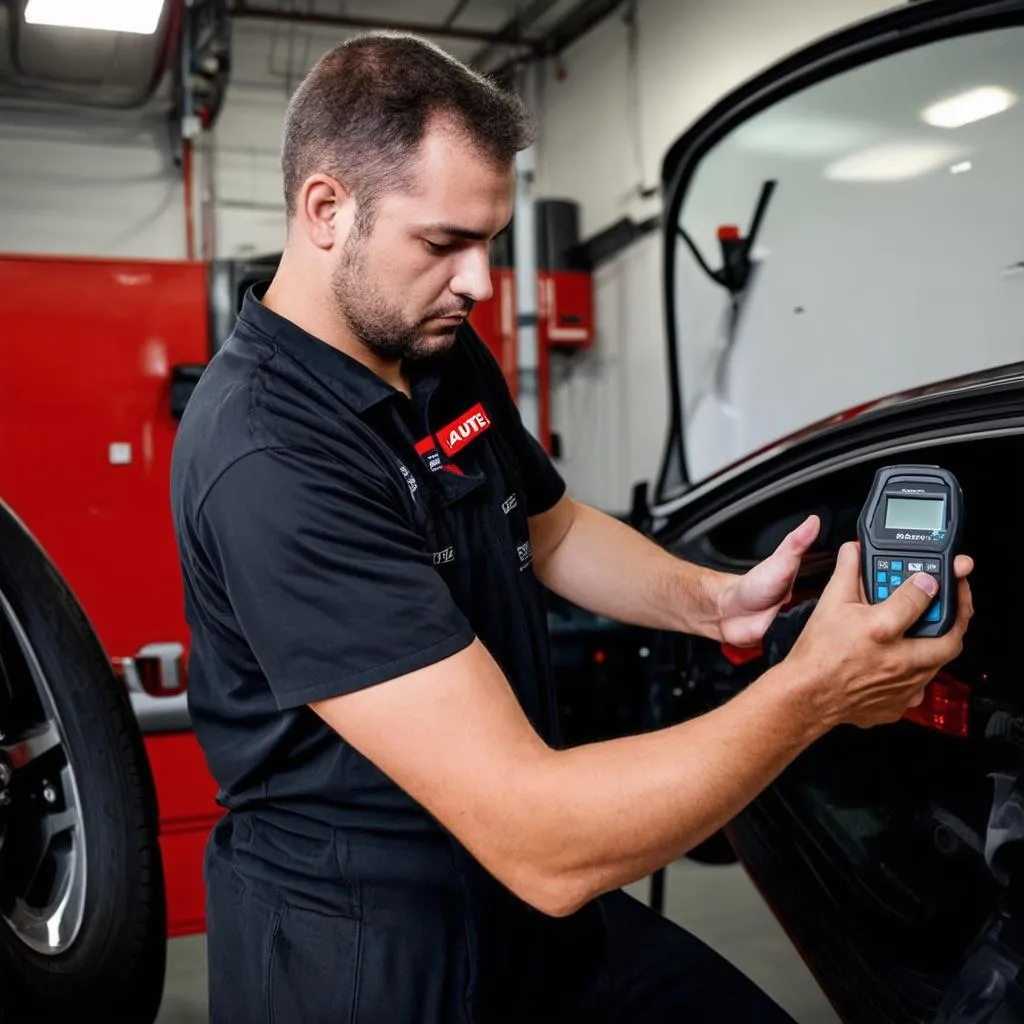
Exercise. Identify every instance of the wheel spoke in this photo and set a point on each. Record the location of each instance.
(40, 740)
(62, 821)
(52, 927)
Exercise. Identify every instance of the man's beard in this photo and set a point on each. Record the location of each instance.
(381, 327)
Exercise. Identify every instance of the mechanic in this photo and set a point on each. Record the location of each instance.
(364, 528)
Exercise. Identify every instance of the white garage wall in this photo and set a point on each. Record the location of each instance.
(269, 60)
(611, 407)
(89, 184)
(83, 183)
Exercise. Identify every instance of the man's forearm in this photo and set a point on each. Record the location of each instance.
(610, 813)
(609, 568)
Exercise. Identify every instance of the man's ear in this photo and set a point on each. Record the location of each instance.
(324, 211)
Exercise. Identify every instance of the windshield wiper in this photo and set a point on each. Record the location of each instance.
(735, 270)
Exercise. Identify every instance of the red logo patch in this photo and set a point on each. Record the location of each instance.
(466, 428)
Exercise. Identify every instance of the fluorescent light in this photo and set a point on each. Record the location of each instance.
(892, 161)
(795, 135)
(961, 168)
(140, 16)
(969, 106)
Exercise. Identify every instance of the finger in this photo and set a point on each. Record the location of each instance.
(845, 584)
(798, 540)
(964, 613)
(963, 565)
(917, 700)
(938, 651)
(906, 604)
(964, 604)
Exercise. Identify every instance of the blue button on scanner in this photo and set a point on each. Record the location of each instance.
(895, 581)
(882, 593)
(934, 612)
(882, 577)
(896, 565)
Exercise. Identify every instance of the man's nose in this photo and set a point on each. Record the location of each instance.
(473, 278)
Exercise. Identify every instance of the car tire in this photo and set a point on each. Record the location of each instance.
(82, 906)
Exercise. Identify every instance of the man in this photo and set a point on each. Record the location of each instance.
(364, 528)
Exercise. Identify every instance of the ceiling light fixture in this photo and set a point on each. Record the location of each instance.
(892, 161)
(970, 106)
(138, 16)
(961, 168)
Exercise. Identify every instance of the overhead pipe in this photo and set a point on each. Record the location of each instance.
(455, 13)
(241, 9)
(513, 29)
(576, 24)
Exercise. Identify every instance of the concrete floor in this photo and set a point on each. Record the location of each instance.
(718, 904)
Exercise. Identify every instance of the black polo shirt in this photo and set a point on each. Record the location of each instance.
(335, 534)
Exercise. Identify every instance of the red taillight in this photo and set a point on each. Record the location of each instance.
(945, 708)
(729, 233)
(741, 655)
(600, 657)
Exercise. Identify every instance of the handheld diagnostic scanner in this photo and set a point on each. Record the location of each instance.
(912, 522)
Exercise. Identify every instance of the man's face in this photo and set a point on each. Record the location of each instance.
(405, 283)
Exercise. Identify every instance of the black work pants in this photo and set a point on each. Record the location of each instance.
(277, 958)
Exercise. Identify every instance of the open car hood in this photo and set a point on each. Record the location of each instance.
(843, 229)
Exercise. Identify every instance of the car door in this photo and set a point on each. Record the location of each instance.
(842, 276)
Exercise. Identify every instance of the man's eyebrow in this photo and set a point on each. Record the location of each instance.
(457, 232)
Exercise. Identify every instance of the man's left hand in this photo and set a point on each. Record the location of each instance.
(749, 603)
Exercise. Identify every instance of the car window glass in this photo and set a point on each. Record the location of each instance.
(890, 253)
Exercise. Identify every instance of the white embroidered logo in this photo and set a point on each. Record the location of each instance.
(509, 503)
(525, 553)
(445, 556)
(409, 479)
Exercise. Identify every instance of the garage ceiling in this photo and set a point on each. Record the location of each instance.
(107, 69)
(482, 32)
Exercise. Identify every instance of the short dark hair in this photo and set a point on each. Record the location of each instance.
(362, 110)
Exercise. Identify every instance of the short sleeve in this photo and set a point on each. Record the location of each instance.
(544, 484)
(330, 583)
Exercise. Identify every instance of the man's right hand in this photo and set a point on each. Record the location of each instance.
(560, 826)
(862, 670)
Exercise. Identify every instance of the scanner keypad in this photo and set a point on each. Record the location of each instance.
(890, 573)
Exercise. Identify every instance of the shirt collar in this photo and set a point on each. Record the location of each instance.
(357, 385)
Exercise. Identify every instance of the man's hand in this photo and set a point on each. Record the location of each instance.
(864, 671)
(748, 604)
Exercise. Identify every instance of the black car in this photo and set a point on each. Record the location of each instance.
(877, 175)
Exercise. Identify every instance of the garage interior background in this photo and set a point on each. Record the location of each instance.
(78, 181)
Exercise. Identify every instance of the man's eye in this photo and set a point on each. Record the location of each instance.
(438, 248)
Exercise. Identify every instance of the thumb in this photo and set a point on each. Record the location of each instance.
(845, 585)
(907, 603)
(800, 538)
